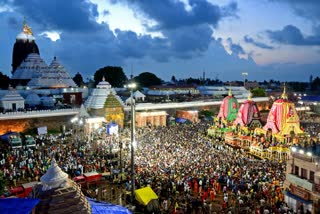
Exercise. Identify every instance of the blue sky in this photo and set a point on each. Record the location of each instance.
(268, 39)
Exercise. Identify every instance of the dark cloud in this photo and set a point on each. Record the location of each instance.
(187, 32)
(250, 40)
(71, 15)
(292, 35)
(188, 39)
(235, 48)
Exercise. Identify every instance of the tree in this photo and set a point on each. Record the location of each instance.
(258, 92)
(4, 81)
(78, 79)
(114, 75)
(147, 79)
(173, 79)
(315, 85)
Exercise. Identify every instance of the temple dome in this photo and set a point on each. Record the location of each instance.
(24, 36)
(26, 33)
(24, 45)
(30, 67)
(54, 76)
(99, 95)
(54, 177)
(104, 84)
(58, 194)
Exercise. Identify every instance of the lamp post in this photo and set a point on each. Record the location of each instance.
(244, 74)
(132, 86)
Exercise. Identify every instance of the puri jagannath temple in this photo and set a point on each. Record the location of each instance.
(242, 127)
(35, 85)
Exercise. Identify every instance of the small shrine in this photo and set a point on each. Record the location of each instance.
(59, 194)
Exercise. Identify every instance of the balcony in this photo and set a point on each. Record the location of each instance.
(297, 181)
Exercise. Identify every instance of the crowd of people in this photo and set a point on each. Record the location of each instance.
(190, 172)
(74, 156)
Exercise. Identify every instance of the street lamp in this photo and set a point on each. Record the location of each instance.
(244, 74)
(132, 86)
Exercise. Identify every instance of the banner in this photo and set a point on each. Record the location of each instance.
(42, 130)
(112, 129)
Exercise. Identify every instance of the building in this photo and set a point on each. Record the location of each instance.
(104, 101)
(59, 194)
(12, 101)
(24, 45)
(151, 119)
(302, 184)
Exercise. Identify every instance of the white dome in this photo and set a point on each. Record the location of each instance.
(24, 36)
(26, 33)
(54, 177)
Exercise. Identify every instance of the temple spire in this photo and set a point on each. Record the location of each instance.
(284, 94)
(26, 28)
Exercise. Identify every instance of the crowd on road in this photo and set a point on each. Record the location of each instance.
(195, 174)
(190, 172)
(75, 157)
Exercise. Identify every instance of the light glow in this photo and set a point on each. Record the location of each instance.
(52, 35)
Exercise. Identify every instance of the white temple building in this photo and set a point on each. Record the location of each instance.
(98, 96)
(33, 65)
(12, 100)
(59, 194)
(54, 76)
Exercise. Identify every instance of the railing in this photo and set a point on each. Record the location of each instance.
(38, 113)
(173, 105)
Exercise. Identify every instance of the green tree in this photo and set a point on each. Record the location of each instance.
(78, 79)
(4, 81)
(2, 184)
(258, 92)
(315, 85)
(147, 79)
(113, 74)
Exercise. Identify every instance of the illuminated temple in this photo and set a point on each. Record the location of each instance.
(104, 101)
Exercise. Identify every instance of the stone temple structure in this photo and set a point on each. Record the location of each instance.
(104, 101)
(24, 45)
(59, 194)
